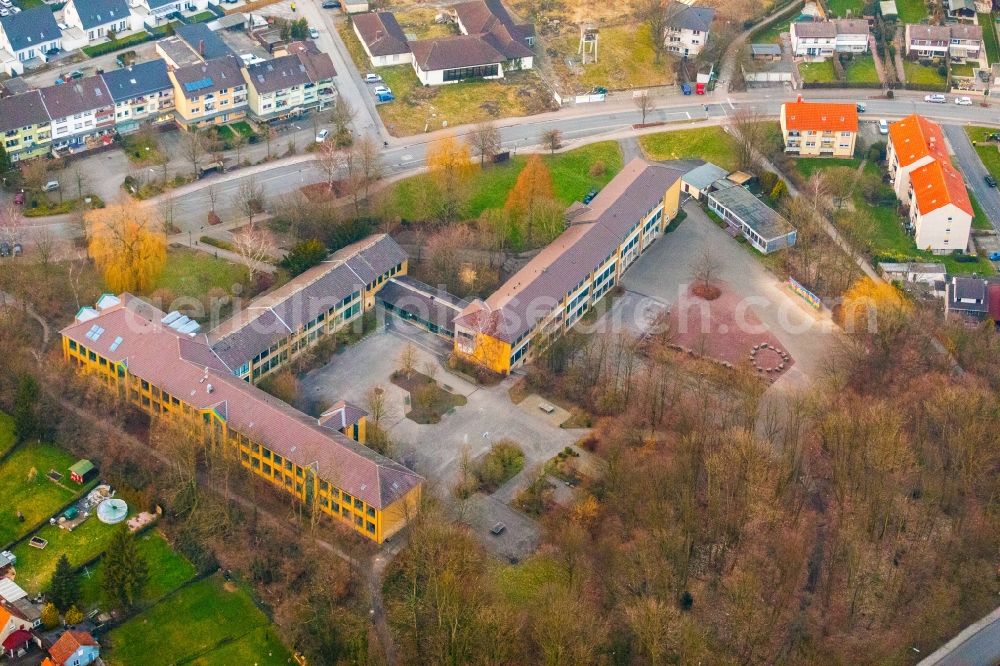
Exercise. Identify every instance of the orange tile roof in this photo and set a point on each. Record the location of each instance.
(818, 116)
(915, 137)
(69, 643)
(938, 184)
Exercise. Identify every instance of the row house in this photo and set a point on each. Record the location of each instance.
(25, 125)
(820, 40)
(28, 35)
(82, 113)
(288, 85)
(959, 41)
(210, 93)
(142, 94)
(816, 129)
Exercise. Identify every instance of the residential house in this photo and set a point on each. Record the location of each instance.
(818, 128)
(489, 20)
(153, 12)
(974, 298)
(819, 40)
(686, 28)
(940, 209)
(142, 94)
(82, 114)
(551, 293)
(163, 365)
(15, 630)
(913, 142)
(203, 41)
(452, 59)
(289, 85)
(761, 225)
(960, 9)
(25, 126)
(75, 648)
(95, 20)
(382, 39)
(277, 327)
(32, 33)
(960, 41)
(209, 93)
(698, 181)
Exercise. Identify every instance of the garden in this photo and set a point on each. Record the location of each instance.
(925, 75)
(712, 144)
(27, 490)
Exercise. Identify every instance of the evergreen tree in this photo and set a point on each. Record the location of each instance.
(6, 164)
(64, 591)
(125, 571)
(27, 423)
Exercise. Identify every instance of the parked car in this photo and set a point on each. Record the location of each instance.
(991, 181)
(883, 126)
(589, 196)
(686, 88)
(498, 529)
(861, 107)
(384, 97)
(19, 198)
(935, 99)
(994, 256)
(382, 90)
(599, 90)
(322, 135)
(963, 101)
(372, 78)
(4, 249)
(313, 33)
(50, 186)
(331, 4)
(76, 74)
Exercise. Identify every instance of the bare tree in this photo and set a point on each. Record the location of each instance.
(552, 139)
(341, 116)
(11, 222)
(255, 246)
(193, 147)
(644, 103)
(653, 14)
(167, 207)
(329, 161)
(750, 131)
(408, 360)
(485, 141)
(269, 136)
(44, 245)
(706, 268)
(213, 196)
(249, 198)
(237, 143)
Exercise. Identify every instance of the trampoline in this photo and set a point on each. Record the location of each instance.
(112, 511)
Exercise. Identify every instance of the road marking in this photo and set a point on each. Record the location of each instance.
(406, 158)
(688, 115)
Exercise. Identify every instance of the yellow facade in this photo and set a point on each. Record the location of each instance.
(215, 107)
(27, 142)
(302, 482)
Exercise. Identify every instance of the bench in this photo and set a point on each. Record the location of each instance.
(547, 408)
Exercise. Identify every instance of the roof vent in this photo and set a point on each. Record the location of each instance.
(210, 388)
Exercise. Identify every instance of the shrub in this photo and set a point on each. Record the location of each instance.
(50, 616)
(942, 70)
(282, 385)
(74, 616)
(215, 242)
(597, 169)
(303, 256)
(503, 461)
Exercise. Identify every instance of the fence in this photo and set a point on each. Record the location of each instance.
(587, 99)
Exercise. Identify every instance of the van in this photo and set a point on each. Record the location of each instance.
(50, 186)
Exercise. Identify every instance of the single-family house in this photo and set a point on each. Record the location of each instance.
(153, 12)
(289, 85)
(818, 40)
(25, 126)
(203, 41)
(382, 39)
(817, 128)
(142, 93)
(452, 59)
(686, 28)
(960, 41)
(82, 114)
(489, 20)
(974, 298)
(761, 225)
(698, 181)
(15, 630)
(75, 648)
(97, 19)
(209, 93)
(32, 33)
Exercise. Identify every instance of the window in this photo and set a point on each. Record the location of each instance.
(358, 504)
(371, 512)
(277, 459)
(267, 468)
(462, 73)
(370, 526)
(359, 521)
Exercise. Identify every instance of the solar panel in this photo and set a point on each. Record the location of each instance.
(197, 85)
(116, 343)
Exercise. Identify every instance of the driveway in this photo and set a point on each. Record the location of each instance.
(974, 172)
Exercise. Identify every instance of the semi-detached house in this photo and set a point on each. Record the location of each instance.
(90, 21)
(819, 40)
(959, 41)
(28, 35)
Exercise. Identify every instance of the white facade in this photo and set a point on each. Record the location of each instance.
(942, 230)
(437, 77)
(822, 40)
(27, 53)
(685, 42)
(71, 18)
(900, 175)
(389, 60)
(144, 107)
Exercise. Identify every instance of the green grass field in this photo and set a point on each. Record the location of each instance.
(711, 144)
(919, 74)
(168, 570)
(962, 69)
(773, 34)
(911, 11)
(37, 499)
(861, 70)
(817, 72)
(7, 438)
(207, 622)
(840, 8)
(521, 583)
(990, 37)
(807, 166)
(980, 221)
(989, 152)
(87, 541)
(489, 187)
(192, 273)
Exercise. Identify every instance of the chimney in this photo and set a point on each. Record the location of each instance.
(210, 388)
(799, 98)
(378, 35)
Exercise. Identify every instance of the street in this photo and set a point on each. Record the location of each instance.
(977, 645)
(974, 173)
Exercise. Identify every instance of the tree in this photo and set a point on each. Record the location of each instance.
(124, 572)
(656, 17)
(840, 183)
(408, 360)
(362, 167)
(255, 246)
(237, 142)
(448, 161)
(329, 161)
(749, 128)
(124, 243)
(303, 256)
(704, 273)
(28, 423)
(485, 141)
(644, 103)
(193, 147)
(552, 139)
(74, 616)
(532, 189)
(249, 198)
(6, 163)
(341, 116)
(50, 616)
(64, 590)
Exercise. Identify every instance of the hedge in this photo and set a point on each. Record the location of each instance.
(117, 44)
(215, 242)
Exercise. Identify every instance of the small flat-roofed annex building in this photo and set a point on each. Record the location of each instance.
(561, 283)
(698, 181)
(744, 213)
(421, 304)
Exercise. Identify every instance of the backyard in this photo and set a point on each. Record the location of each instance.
(772, 35)
(861, 70)
(817, 72)
(210, 621)
(626, 59)
(711, 144)
(843, 8)
(990, 37)
(911, 11)
(25, 487)
(923, 75)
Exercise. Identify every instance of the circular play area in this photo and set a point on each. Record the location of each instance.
(112, 511)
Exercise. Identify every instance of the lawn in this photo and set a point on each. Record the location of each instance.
(192, 273)
(861, 70)
(990, 37)
(921, 75)
(168, 570)
(38, 499)
(840, 8)
(419, 22)
(711, 144)
(207, 622)
(488, 188)
(437, 401)
(84, 543)
(911, 11)
(419, 108)
(522, 583)
(979, 221)
(773, 34)
(807, 166)
(142, 148)
(963, 69)
(7, 438)
(989, 152)
(817, 72)
(202, 17)
(28, 4)
(626, 59)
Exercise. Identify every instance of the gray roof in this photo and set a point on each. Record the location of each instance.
(490, 19)
(814, 29)
(31, 27)
(764, 220)
(203, 41)
(703, 176)
(209, 76)
(290, 70)
(137, 80)
(76, 96)
(274, 316)
(686, 17)
(765, 49)
(594, 235)
(971, 288)
(94, 13)
(22, 110)
(422, 301)
(177, 51)
(381, 33)
(455, 52)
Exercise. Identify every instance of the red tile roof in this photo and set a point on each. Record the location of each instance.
(914, 137)
(938, 184)
(819, 116)
(68, 643)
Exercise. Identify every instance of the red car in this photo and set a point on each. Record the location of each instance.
(19, 198)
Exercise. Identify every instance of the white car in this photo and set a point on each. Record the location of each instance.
(936, 99)
(381, 90)
(321, 135)
(963, 101)
(372, 78)
(883, 126)
(314, 33)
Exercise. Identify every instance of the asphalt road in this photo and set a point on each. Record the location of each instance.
(978, 645)
(974, 173)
